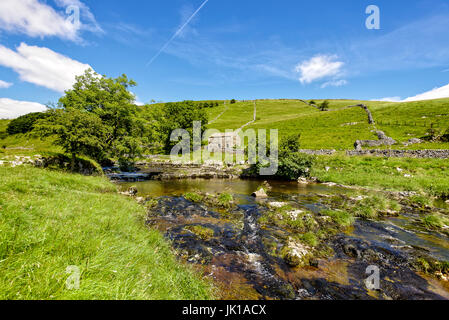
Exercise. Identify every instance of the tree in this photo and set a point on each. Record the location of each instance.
(162, 119)
(179, 115)
(289, 144)
(111, 101)
(233, 101)
(292, 164)
(77, 132)
(324, 106)
(25, 124)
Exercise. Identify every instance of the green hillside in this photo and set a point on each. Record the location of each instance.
(339, 127)
(23, 144)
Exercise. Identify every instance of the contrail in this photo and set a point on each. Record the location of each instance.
(177, 33)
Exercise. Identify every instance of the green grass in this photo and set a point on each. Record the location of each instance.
(51, 220)
(427, 175)
(235, 116)
(339, 128)
(435, 221)
(193, 197)
(23, 144)
(341, 218)
(225, 199)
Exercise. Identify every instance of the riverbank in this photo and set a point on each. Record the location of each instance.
(426, 176)
(52, 222)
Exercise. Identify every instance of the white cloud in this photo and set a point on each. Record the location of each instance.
(334, 83)
(42, 66)
(4, 84)
(437, 93)
(38, 19)
(319, 67)
(389, 99)
(137, 101)
(35, 19)
(10, 109)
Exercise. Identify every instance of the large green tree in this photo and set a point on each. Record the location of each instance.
(112, 101)
(108, 98)
(77, 132)
(106, 107)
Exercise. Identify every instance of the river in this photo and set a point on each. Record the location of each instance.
(239, 253)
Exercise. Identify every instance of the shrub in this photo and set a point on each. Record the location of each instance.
(233, 101)
(294, 165)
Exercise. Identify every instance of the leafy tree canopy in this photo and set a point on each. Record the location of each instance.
(98, 118)
(178, 115)
(77, 132)
(25, 124)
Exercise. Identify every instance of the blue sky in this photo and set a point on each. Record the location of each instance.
(229, 49)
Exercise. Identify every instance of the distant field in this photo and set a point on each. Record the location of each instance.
(339, 128)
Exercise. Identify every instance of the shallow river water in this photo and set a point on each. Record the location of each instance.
(244, 268)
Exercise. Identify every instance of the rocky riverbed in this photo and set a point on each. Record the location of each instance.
(296, 243)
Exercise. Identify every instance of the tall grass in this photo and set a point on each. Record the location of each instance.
(52, 220)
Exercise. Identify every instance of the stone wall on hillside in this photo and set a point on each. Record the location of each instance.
(321, 152)
(435, 154)
(384, 140)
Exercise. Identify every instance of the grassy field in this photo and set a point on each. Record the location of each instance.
(339, 128)
(51, 220)
(429, 176)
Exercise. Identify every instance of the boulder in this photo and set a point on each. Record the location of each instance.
(260, 193)
(132, 191)
(303, 181)
(295, 253)
(277, 204)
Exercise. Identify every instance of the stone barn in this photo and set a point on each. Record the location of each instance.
(224, 142)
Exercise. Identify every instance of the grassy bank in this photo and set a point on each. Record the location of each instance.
(401, 174)
(51, 220)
